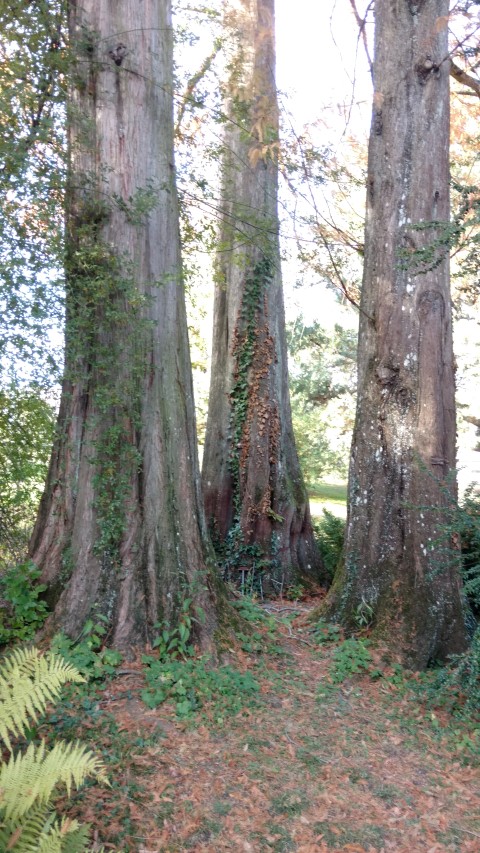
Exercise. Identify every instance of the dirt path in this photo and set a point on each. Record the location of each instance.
(305, 767)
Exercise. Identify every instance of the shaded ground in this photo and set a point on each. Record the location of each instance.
(305, 766)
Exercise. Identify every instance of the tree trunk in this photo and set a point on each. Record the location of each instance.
(400, 570)
(121, 530)
(253, 487)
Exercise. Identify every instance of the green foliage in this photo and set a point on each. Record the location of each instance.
(138, 206)
(467, 527)
(465, 234)
(295, 591)
(89, 654)
(21, 611)
(192, 686)
(40, 831)
(326, 632)
(28, 681)
(107, 327)
(255, 642)
(437, 238)
(252, 612)
(243, 350)
(330, 533)
(322, 386)
(29, 780)
(458, 684)
(175, 642)
(33, 62)
(350, 658)
(364, 614)
(234, 554)
(26, 433)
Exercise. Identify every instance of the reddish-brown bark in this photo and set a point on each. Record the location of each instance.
(251, 476)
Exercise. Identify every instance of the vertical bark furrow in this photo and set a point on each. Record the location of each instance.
(121, 531)
(402, 471)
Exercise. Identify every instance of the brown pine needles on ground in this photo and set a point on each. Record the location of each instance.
(311, 768)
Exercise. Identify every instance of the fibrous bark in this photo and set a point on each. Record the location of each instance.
(253, 486)
(121, 530)
(400, 570)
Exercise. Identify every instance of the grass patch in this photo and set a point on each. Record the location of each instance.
(289, 803)
(334, 492)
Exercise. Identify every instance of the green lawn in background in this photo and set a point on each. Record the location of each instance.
(331, 496)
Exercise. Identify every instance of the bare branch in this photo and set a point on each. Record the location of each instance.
(193, 83)
(464, 78)
(361, 26)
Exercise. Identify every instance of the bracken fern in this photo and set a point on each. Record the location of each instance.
(28, 781)
(28, 681)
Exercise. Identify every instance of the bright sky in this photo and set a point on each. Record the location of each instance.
(319, 59)
(320, 63)
(323, 79)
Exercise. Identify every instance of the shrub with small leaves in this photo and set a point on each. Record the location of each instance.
(458, 684)
(330, 533)
(175, 642)
(467, 527)
(326, 632)
(351, 657)
(88, 653)
(191, 685)
(22, 611)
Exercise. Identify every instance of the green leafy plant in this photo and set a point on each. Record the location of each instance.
(175, 642)
(295, 591)
(364, 614)
(467, 527)
(252, 612)
(30, 779)
(22, 611)
(26, 434)
(330, 533)
(458, 685)
(191, 685)
(350, 658)
(88, 653)
(326, 632)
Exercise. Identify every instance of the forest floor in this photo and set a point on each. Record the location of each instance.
(316, 758)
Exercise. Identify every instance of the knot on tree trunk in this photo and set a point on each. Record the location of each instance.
(118, 53)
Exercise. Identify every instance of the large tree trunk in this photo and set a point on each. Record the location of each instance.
(253, 486)
(121, 530)
(400, 572)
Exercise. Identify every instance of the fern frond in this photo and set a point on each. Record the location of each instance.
(66, 836)
(22, 834)
(28, 681)
(30, 778)
(40, 831)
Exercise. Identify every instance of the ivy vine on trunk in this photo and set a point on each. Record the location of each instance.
(255, 497)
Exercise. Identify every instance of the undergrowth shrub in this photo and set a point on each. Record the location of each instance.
(30, 778)
(457, 686)
(22, 611)
(351, 657)
(191, 686)
(467, 527)
(330, 533)
(88, 653)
